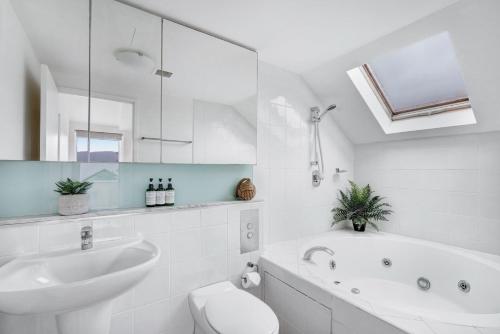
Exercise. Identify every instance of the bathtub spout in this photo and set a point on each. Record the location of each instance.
(309, 253)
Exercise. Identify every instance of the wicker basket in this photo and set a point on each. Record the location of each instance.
(245, 190)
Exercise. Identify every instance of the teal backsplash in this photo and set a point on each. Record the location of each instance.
(27, 187)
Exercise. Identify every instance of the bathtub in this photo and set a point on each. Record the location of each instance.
(415, 286)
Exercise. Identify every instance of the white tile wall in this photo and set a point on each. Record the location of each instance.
(443, 189)
(199, 247)
(283, 172)
(202, 246)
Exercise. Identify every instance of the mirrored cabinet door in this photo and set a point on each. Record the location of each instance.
(44, 59)
(125, 84)
(209, 113)
(195, 104)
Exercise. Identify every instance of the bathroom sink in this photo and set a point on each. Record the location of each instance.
(67, 282)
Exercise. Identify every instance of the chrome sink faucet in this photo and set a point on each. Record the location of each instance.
(309, 253)
(86, 234)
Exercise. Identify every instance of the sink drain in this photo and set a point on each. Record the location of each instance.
(336, 282)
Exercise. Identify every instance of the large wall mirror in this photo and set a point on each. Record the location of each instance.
(43, 56)
(106, 82)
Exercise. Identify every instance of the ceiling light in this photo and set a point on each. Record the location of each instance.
(136, 60)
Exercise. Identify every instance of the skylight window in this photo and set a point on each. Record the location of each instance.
(421, 80)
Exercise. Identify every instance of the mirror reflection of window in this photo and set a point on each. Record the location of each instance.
(104, 147)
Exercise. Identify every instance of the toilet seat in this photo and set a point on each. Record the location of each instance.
(239, 312)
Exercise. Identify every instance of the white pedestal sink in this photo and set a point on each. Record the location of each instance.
(77, 286)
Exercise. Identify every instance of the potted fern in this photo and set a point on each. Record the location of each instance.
(74, 199)
(360, 206)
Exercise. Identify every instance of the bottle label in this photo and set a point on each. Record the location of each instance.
(160, 197)
(150, 198)
(170, 197)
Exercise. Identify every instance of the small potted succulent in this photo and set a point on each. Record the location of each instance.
(360, 206)
(74, 199)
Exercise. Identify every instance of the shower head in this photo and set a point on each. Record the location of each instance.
(331, 107)
(316, 114)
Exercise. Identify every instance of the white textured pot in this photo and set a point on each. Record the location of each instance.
(73, 204)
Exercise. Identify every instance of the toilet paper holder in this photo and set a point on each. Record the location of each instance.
(251, 277)
(252, 267)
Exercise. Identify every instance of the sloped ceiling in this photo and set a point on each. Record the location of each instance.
(474, 28)
(296, 34)
(322, 39)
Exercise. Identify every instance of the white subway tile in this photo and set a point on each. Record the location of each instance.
(155, 286)
(59, 235)
(489, 151)
(186, 244)
(186, 276)
(489, 182)
(122, 323)
(214, 216)
(214, 241)
(153, 318)
(113, 228)
(234, 234)
(214, 269)
(124, 302)
(153, 223)
(16, 240)
(464, 204)
(185, 219)
(488, 205)
(462, 180)
(181, 320)
(434, 179)
(276, 146)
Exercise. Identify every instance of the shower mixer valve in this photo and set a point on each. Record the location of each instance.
(316, 178)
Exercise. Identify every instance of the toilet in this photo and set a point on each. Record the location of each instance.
(222, 308)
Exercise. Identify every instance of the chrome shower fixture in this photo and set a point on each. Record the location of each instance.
(318, 163)
(316, 113)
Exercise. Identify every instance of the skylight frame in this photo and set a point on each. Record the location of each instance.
(419, 111)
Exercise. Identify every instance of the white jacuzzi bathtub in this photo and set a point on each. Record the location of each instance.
(391, 292)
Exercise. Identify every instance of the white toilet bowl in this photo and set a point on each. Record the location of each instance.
(222, 308)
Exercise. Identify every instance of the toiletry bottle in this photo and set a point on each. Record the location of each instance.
(160, 194)
(170, 193)
(150, 194)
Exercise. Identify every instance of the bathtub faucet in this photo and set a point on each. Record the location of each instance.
(309, 253)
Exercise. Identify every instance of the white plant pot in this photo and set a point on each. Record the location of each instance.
(73, 204)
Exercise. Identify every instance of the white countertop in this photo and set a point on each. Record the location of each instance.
(115, 212)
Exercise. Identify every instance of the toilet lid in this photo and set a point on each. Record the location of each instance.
(238, 312)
